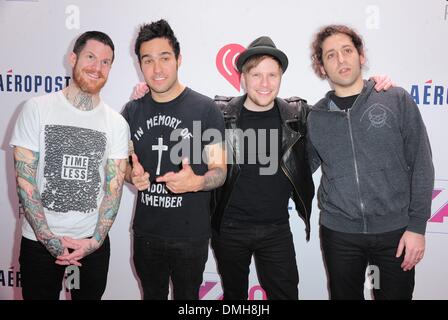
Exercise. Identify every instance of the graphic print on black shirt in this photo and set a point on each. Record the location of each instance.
(158, 149)
(73, 157)
(158, 211)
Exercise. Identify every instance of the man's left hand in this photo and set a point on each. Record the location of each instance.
(414, 246)
(83, 247)
(183, 181)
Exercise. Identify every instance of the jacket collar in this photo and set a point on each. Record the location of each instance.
(326, 104)
(234, 107)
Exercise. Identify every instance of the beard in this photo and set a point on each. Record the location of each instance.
(261, 102)
(86, 84)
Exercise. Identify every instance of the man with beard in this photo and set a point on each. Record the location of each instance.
(251, 217)
(70, 152)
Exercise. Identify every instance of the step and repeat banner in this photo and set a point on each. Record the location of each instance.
(405, 39)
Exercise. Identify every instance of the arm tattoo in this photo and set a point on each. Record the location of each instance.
(115, 172)
(214, 178)
(26, 163)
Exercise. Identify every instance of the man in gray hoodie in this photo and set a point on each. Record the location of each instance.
(377, 173)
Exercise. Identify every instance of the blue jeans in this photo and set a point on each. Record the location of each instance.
(275, 259)
(42, 278)
(157, 260)
(347, 256)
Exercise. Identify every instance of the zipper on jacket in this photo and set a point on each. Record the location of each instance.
(232, 122)
(292, 182)
(361, 203)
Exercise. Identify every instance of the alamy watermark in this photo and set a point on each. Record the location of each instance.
(372, 277)
(251, 146)
(72, 279)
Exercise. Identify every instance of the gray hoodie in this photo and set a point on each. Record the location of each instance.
(377, 171)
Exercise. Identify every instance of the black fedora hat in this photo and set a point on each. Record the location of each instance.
(262, 46)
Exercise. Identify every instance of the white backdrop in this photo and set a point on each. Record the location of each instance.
(404, 39)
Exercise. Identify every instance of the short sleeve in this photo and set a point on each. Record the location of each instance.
(215, 123)
(26, 132)
(125, 112)
(120, 141)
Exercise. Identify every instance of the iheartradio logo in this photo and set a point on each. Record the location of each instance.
(226, 63)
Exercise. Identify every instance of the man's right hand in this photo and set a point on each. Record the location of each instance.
(58, 246)
(53, 244)
(139, 177)
(66, 245)
(140, 90)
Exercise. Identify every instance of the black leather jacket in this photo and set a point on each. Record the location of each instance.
(293, 162)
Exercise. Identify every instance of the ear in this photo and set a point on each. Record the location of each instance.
(179, 60)
(243, 82)
(72, 58)
(362, 59)
(322, 71)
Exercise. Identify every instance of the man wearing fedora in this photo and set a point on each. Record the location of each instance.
(250, 216)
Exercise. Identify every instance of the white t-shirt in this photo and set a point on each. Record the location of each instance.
(73, 147)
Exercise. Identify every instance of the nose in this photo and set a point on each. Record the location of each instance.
(264, 80)
(96, 65)
(157, 66)
(341, 57)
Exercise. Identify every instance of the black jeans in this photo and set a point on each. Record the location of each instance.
(158, 260)
(347, 255)
(42, 278)
(275, 260)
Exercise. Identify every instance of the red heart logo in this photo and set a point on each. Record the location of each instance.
(225, 62)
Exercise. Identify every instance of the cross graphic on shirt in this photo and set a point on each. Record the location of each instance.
(160, 147)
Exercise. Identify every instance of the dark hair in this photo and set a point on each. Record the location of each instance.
(157, 29)
(93, 35)
(324, 33)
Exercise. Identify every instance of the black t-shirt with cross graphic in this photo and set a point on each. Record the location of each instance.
(163, 134)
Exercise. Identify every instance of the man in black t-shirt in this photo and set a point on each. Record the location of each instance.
(250, 211)
(174, 168)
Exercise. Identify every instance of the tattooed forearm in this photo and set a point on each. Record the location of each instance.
(216, 175)
(26, 162)
(214, 178)
(115, 172)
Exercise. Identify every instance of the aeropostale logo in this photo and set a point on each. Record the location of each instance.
(38, 83)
